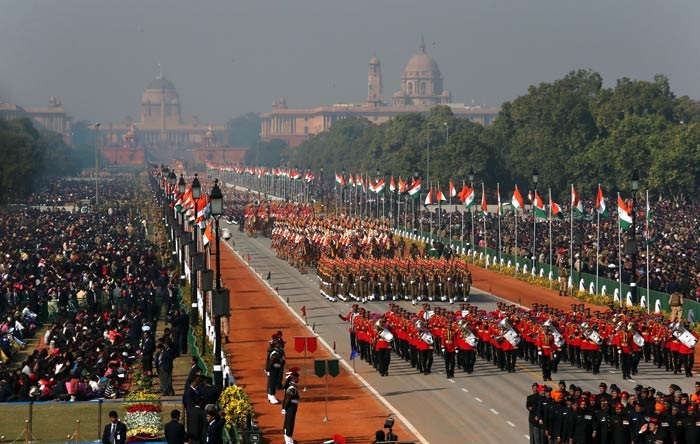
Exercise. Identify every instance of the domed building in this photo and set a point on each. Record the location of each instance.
(421, 90)
(161, 128)
(421, 82)
(160, 104)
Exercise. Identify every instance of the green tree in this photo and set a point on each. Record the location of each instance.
(244, 131)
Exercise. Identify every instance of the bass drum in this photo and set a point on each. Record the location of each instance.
(427, 338)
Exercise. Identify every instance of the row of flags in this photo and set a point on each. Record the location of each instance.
(196, 211)
(467, 196)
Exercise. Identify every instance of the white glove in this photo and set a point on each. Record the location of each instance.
(284, 412)
(267, 373)
(539, 353)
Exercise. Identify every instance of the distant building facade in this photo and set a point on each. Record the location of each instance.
(421, 90)
(52, 117)
(161, 127)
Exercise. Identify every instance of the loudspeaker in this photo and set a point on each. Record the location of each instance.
(198, 261)
(206, 280)
(220, 302)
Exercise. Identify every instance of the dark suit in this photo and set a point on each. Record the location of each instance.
(120, 435)
(175, 432)
(214, 431)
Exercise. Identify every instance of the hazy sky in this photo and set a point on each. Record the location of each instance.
(229, 57)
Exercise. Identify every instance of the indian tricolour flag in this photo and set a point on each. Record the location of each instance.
(468, 197)
(600, 203)
(517, 200)
(414, 190)
(624, 213)
(576, 203)
(538, 206)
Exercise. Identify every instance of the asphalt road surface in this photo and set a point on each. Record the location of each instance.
(487, 406)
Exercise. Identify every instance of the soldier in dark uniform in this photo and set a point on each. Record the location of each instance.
(290, 404)
(273, 368)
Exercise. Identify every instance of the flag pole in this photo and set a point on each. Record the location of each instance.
(498, 190)
(515, 214)
(449, 190)
(619, 258)
(550, 237)
(597, 249)
(483, 196)
(571, 235)
(648, 237)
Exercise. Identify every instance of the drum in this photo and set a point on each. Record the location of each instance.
(638, 339)
(427, 338)
(387, 335)
(428, 314)
(471, 340)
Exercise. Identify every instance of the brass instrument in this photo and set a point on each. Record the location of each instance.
(683, 335)
(559, 340)
(509, 332)
(591, 334)
(467, 333)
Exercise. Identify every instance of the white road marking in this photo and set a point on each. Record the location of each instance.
(451, 380)
(510, 423)
(478, 399)
(465, 390)
(527, 437)
(493, 411)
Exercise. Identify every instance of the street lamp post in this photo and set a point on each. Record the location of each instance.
(217, 209)
(194, 314)
(535, 179)
(633, 239)
(413, 205)
(447, 133)
(97, 160)
(342, 193)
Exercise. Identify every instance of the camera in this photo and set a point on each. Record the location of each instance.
(389, 423)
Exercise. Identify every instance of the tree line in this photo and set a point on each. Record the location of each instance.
(29, 154)
(572, 130)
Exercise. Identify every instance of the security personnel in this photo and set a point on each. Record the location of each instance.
(290, 404)
(273, 369)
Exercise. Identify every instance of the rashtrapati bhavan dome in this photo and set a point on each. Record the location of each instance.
(161, 124)
(421, 89)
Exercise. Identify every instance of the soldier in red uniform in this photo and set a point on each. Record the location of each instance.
(449, 337)
(350, 318)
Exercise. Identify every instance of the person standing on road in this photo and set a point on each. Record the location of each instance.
(166, 360)
(115, 431)
(350, 318)
(290, 404)
(174, 430)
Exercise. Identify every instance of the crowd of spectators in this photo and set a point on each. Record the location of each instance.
(94, 276)
(674, 256)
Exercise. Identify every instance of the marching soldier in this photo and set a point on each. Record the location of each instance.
(546, 349)
(449, 349)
